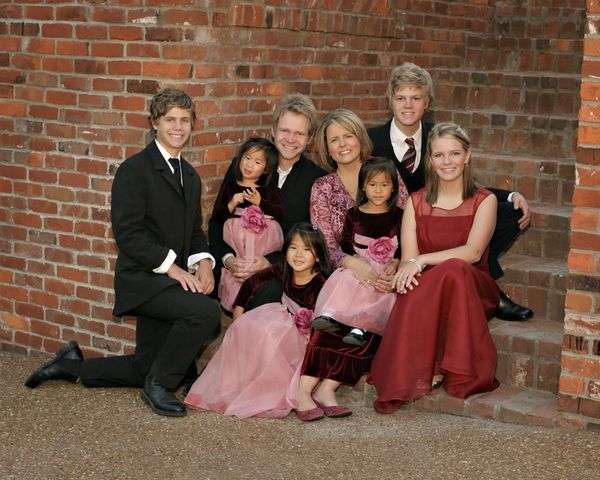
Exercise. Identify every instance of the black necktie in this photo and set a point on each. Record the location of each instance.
(176, 168)
(408, 161)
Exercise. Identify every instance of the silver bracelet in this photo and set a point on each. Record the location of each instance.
(417, 263)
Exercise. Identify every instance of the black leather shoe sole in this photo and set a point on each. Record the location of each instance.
(160, 411)
(325, 323)
(36, 378)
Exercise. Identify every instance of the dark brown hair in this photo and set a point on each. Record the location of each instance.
(368, 170)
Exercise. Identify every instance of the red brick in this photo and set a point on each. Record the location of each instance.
(57, 64)
(120, 331)
(127, 33)
(13, 109)
(76, 180)
(109, 15)
(129, 103)
(143, 50)
(108, 84)
(167, 70)
(30, 311)
(107, 50)
(91, 32)
(124, 67)
(57, 30)
(43, 298)
(58, 286)
(72, 48)
(39, 12)
(44, 46)
(10, 44)
(72, 13)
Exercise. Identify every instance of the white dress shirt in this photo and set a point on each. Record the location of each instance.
(401, 147)
(171, 256)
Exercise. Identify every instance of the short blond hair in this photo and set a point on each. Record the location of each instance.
(350, 121)
(409, 75)
(300, 104)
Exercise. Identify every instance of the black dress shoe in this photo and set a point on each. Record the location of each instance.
(325, 323)
(161, 400)
(53, 369)
(511, 311)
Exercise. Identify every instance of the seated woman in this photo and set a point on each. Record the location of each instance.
(439, 323)
(343, 145)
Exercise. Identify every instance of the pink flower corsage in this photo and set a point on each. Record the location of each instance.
(302, 319)
(253, 219)
(381, 250)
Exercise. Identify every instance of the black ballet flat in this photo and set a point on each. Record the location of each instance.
(325, 323)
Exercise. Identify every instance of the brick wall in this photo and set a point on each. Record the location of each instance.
(75, 80)
(580, 375)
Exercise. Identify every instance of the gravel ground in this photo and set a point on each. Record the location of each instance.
(65, 431)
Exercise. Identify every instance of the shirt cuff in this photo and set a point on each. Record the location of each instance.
(196, 257)
(510, 196)
(167, 262)
(226, 256)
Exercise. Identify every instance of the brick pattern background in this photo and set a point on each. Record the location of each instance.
(580, 366)
(75, 80)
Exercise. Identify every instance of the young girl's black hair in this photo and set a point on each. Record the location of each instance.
(312, 237)
(368, 170)
(271, 156)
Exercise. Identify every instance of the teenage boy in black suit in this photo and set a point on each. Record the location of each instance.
(404, 140)
(294, 123)
(157, 225)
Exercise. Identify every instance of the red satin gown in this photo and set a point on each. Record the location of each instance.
(441, 325)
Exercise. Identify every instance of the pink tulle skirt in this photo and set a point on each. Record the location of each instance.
(353, 303)
(256, 370)
(246, 244)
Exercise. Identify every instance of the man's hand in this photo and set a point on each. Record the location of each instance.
(187, 281)
(519, 201)
(205, 276)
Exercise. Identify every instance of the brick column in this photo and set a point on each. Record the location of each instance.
(579, 390)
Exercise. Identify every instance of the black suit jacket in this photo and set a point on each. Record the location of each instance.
(295, 193)
(382, 147)
(151, 214)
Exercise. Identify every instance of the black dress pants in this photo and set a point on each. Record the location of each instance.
(505, 233)
(172, 328)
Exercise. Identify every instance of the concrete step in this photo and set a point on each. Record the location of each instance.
(528, 353)
(536, 282)
(548, 235)
(505, 404)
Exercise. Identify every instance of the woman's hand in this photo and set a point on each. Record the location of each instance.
(361, 269)
(252, 195)
(391, 267)
(384, 283)
(405, 278)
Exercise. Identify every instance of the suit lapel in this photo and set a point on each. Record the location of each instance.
(159, 164)
(188, 173)
(387, 142)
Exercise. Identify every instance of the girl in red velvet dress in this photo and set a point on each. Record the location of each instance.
(438, 326)
(249, 211)
(371, 232)
(256, 370)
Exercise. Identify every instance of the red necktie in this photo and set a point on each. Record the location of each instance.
(408, 161)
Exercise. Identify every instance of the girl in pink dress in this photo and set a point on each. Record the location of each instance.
(372, 232)
(437, 332)
(249, 211)
(256, 370)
